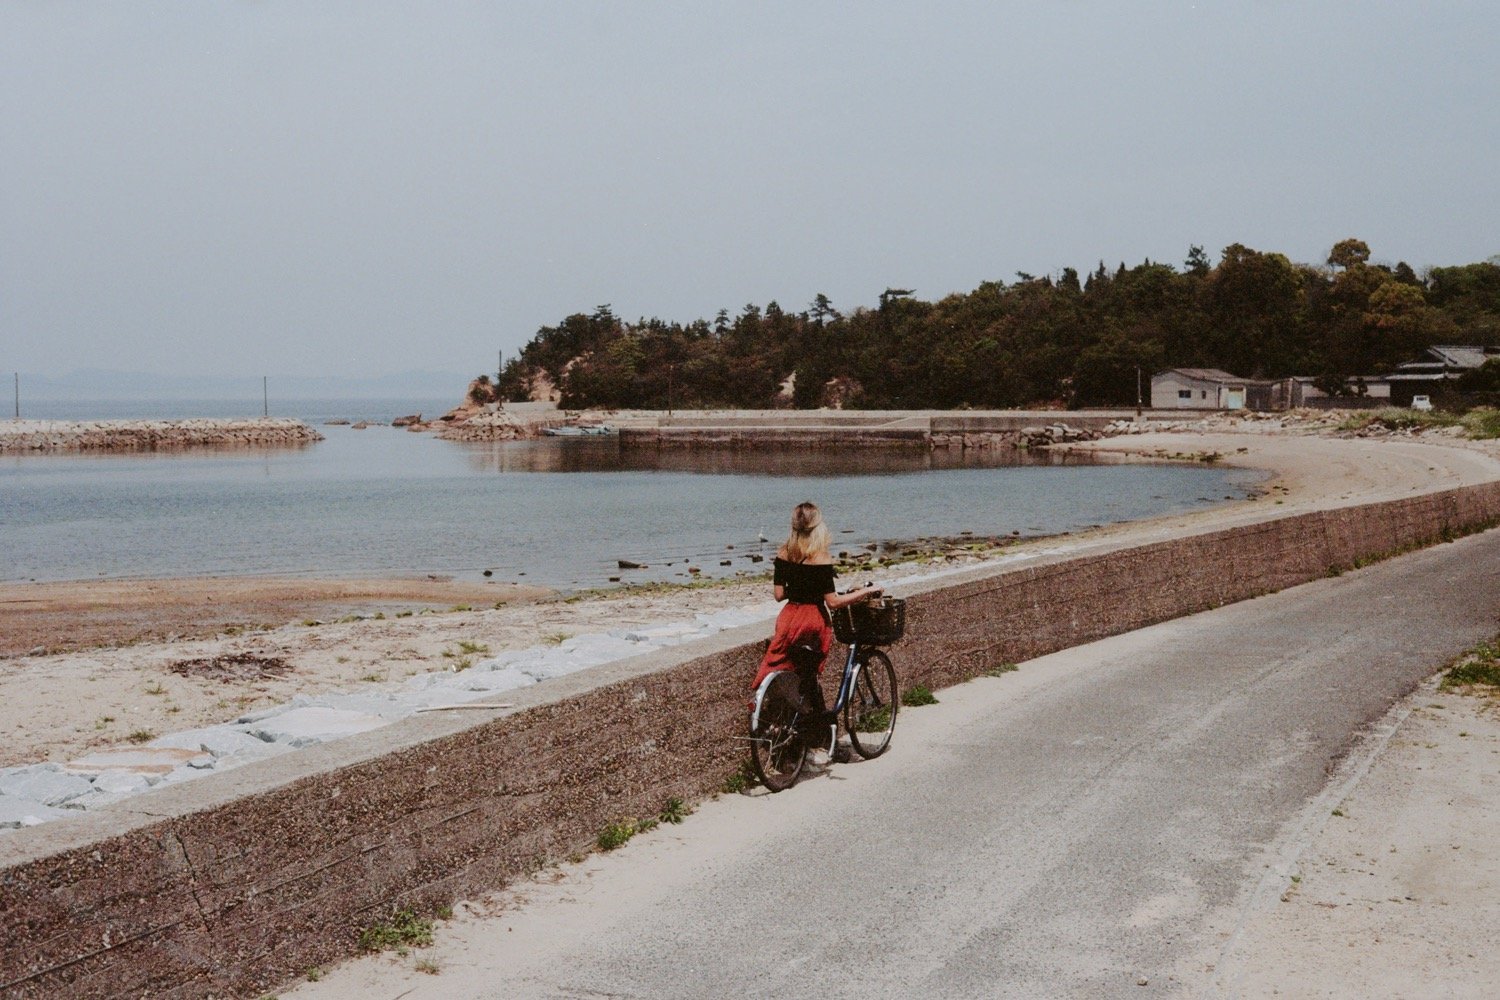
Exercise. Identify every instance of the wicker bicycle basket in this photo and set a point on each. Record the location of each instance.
(877, 622)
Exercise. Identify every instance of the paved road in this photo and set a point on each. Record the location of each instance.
(1102, 818)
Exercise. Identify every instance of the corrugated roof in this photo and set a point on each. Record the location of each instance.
(1207, 374)
(1460, 355)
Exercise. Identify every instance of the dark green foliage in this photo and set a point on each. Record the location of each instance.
(1035, 341)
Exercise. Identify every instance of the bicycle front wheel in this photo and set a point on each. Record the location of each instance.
(870, 715)
(776, 748)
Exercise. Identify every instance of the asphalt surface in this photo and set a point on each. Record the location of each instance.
(1095, 824)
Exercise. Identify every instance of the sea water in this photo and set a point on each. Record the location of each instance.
(558, 512)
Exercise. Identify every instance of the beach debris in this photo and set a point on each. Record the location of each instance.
(627, 564)
(726, 562)
(229, 667)
(468, 705)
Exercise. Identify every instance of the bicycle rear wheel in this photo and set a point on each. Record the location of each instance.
(870, 715)
(776, 748)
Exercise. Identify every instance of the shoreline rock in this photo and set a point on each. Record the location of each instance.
(50, 436)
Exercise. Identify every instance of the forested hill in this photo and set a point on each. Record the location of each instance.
(1070, 340)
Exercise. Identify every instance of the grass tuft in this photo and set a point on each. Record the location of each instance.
(404, 929)
(675, 811)
(616, 834)
(1479, 667)
(916, 695)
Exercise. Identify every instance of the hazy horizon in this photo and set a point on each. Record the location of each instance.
(366, 189)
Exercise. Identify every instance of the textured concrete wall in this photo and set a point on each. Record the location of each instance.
(232, 885)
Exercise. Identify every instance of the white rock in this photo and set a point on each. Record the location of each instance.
(18, 812)
(44, 783)
(221, 741)
(120, 783)
(305, 726)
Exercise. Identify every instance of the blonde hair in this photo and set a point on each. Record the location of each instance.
(809, 534)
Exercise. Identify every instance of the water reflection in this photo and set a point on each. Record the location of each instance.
(607, 455)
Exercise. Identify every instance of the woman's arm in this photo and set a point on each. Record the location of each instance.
(836, 600)
(780, 592)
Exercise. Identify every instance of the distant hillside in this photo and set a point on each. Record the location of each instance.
(1065, 339)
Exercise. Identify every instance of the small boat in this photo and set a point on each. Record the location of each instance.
(593, 430)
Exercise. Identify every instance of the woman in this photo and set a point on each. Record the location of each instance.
(803, 577)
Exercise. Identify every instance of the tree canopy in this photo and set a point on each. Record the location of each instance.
(1032, 341)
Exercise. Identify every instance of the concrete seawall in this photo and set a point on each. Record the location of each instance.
(868, 429)
(233, 885)
(44, 436)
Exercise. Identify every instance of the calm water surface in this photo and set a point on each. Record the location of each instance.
(556, 512)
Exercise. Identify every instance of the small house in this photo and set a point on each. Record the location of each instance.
(1209, 389)
(1436, 370)
(1301, 391)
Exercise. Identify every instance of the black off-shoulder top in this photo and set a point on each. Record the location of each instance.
(805, 583)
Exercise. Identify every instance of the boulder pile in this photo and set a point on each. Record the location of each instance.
(1043, 437)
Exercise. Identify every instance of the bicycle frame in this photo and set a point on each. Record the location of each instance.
(853, 663)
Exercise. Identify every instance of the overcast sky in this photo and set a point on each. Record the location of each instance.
(364, 188)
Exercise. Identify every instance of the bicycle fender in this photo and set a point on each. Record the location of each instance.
(760, 696)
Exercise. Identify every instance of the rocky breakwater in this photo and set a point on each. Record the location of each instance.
(44, 436)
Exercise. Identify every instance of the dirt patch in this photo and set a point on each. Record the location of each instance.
(47, 618)
(231, 667)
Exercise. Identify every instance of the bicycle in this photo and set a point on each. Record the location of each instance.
(868, 697)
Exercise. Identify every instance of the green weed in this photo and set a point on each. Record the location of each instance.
(402, 930)
(739, 780)
(616, 834)
(470, 648)
(916, 695)
(141, 736)
(1479, 667)
(675, 811)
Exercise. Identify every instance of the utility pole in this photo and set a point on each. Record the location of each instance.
(265, 398)
(1138, 392)
(18, 395)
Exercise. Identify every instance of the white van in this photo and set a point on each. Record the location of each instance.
(1421, 403)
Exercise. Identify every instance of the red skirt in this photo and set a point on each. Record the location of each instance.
(797, 623)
